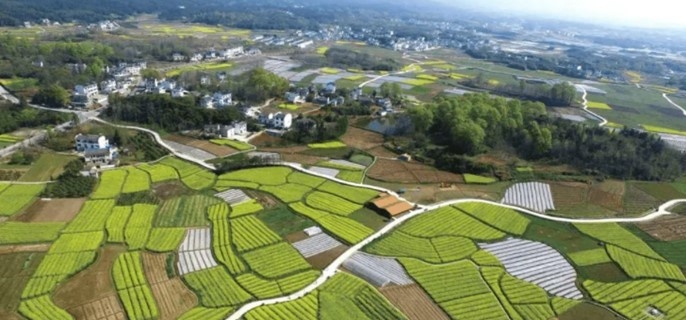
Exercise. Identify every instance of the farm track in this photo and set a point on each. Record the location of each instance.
(664, 95)
(603, 121)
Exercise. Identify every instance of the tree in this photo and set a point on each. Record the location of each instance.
(151, 74)
(422, 118)
(52, 96)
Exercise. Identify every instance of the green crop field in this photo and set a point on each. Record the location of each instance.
(327, 145)
(287, 192)
(276, 261)
(344, 228)
(354, 194)
(22, 232)
(111, 184)
(92, 217)
(638, 266)
(250, 233)
(351, 176)
(48, 167)
(228, 294)
(448, 221)
(14, 198)
(590, 257)
(185, 211)
(617, 235)
(139, 226)
(331, 203)
(203, 67)
(116, 224)
(137, 180)
(238, 145)
(132, 287)
(507, 220)
(165, 239)
(160, 172)
(245, 208)
(271, 176)
(476, 179)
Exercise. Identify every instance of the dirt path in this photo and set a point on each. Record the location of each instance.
(673, 103)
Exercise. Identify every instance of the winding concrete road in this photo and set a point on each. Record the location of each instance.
(673, 103)
(331, 270)
(603, 121)
(161, 142)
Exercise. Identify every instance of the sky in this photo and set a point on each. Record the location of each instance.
(647, 13)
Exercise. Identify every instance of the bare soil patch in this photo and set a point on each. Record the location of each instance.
(172, 296)
(285, 150)
(90, 292)
(362, 139)
(382, 152)
(410, 172)
(265, 140)
(107, 308)
(265, 199)
(169, 190)
(15, 272)
(667, 228)
(567, 194)
(322, 260)
(296, 236)
(55, 210)
(414, 302)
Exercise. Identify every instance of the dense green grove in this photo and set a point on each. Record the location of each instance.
(13, 117)
(458, 127)
(561, 94)
(71, 184)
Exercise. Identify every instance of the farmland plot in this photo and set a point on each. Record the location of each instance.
(316, 244)
(116, 223)
(304, 308)
(377, 270)
(401, 244)
(137, 180)
(250, 233)
(186, 211)
(287, 193)
(537, 263)
(139, 225)
(195, 253)
(194, 152)
(171, 294)
(21, 232)
(633, 298)
(331, 203)
(590, 257)
(448, 221)
(531, 195)
(357, 195)
(414, 302)
(615, 234)
(504, 219)
(16, 197)
(271, 176)
(276, 260)
(639, 266)
(305, 179)
(325, 171)
(245, 208)
(228, 294)
(133, 288)
(111, 184)
(165, 239)
(92, 217)
(159, 172)
(344, 228)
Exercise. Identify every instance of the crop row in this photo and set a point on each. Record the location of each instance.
(590, 257)
(492, 277)
(344, 228)
(611, 292)
(448, 221)
(20, 232)
(305, 308)
(541, 311)
(259, 287)
(354, 194)
(305, 179)
(351, 176)
(673, 304)
(350, 297)
(139, 225)
(77, 242)
(400, 244)
(116, 223)
(522, 292)
(165, 239)
(92, 217)
(205, 283)
(221, 240)
(53, 269)
(331, 203)
(615, 234)
(276, 260)
(185, 211)
(287, 193)
(184, 168)
(504, 219)
(200, 180)
(111, 184)
(132, 287)
(250, 233)
(42, 308)
(136, 180)
(17, 196)
(638, 266)
(270, 176)
(222, 185)
(160, 172)
(202, 313)
(441, 281)
(245, 208)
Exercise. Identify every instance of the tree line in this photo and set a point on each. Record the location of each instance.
(452, 129)
(13, 117)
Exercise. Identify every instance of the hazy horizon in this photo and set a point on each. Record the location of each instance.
(656, 13)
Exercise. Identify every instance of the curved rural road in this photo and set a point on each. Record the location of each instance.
(673, 103)
(603, 121)
(160, 142)
(333, 267)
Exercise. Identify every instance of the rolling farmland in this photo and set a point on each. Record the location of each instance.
(15, 197)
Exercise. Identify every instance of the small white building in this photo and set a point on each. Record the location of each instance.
(233, 52)
(231, 131)
(101, 156)
(85, 142)
(294, 97)
(179, 93)
(222, 100)
(282, 120)
(176, 57)
(108, 86)
(88, 90)
(305, 44)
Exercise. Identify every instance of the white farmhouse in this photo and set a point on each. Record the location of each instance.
(283, 120)
(228, 131)
(91, 142)
(222, 100)
(88, 90)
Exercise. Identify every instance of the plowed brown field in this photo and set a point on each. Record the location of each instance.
(414, 302)
(172, 296)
